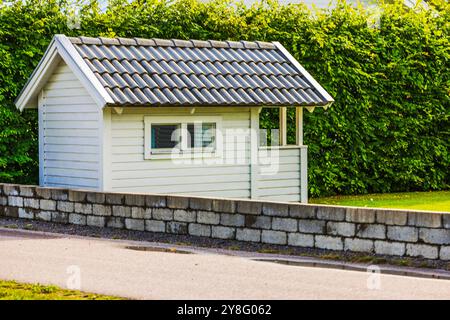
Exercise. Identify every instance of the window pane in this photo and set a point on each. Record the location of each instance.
(209, 135)
(165, 136)
(201, 135)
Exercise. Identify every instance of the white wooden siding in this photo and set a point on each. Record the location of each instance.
(132, 173)
(284, 183)
(69, 129)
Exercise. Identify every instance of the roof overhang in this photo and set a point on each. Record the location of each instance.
(307, 75)
(60, 48)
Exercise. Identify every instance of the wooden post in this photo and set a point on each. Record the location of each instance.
(254, 146)
(299, 126)
(283, 126)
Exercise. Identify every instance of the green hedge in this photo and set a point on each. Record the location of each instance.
(387, 131)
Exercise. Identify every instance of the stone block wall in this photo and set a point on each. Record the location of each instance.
(380, 231)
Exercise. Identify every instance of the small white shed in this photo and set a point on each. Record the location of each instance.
(170, 116)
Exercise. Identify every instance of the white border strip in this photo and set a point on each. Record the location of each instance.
(305, 73)
(81, 69)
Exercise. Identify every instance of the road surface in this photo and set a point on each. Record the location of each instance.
(108, 267)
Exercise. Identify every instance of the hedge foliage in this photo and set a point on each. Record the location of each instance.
(388, 70)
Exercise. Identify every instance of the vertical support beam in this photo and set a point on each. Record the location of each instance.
(105, 149)
(41, 115)
(283, 126)
(254, 146)
(304, 174)
(299, 125)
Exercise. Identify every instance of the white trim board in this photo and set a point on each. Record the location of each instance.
(61, 48)
(305, 73)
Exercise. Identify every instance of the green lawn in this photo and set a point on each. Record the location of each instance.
(434, 201)
(12, 290)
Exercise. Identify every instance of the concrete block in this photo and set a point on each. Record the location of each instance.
(95, 221)
(60, 194)
(328, 242)
(200, 204)
(248, 207)
(284, 224)
(162, 214)
(446, 221)
(60, 217)
(27, 191)
(425, 219)
(223, 232)
(422, 250)
(77, 196)
(358, 245)
(330, 213)
(135, 224)
(155, 226)
(201, 230)
(301, 240)
(176, 202)
(12, 212)
(155, 201)
(208, 217)
(114, 198)
(399, 218)
(26, 213)
(311, 226)
(398, 233)
(10, 190)
(43, 193)
(444, 253)
(14, 201)
(184, 215)
(275, 209)
(101, 210)
(78, 219)
(435, 236)
(176, 227)
(115, 222)
(232, 220)
(4, 201)
(302, 211)
(258, 222)
(390, 248)
(135, 200)
(95, 197)
(371, 231)
(43, 215)
(273, 237)
(224, 206)
(30, 203)
(65, 206)
(48, 205)
(360, 215)
(121, 211)
(84, 208)
(140, 213)
(250, 235)
(345, 229)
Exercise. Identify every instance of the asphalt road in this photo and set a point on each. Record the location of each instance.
(108, 267)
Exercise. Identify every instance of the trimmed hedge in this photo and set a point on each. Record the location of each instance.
(387, 131)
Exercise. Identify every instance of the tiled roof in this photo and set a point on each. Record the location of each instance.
(179, 72)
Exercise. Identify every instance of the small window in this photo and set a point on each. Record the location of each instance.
(165, 134)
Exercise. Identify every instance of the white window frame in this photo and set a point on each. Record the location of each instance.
(183, 151)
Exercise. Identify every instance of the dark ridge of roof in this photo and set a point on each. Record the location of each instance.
(173, 43)
(163, 72)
